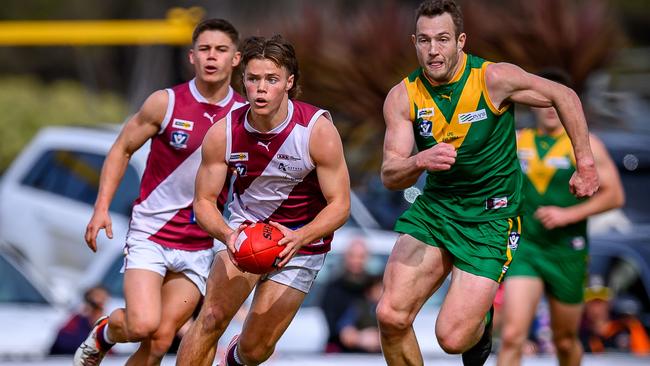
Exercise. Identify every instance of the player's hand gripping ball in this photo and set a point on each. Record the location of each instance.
(257, 248)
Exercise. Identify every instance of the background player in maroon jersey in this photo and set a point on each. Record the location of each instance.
(291, 172)
(168, 256)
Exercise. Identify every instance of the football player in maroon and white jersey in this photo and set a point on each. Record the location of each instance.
(167, 255)
(290, 171)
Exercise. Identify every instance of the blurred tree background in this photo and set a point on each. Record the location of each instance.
(350, 52)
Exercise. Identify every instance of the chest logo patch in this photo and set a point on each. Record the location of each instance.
(239, 156)
(425, 128)
(179, 139)
(183, 124)
(472, 117)
(561, 162)
(426, 113)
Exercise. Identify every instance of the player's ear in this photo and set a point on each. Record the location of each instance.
(460, 43)
(289, 82)
(236, 59)
(190, 55)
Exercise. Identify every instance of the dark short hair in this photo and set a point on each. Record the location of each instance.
(276, 49)
(433, 8)
(558, 75)
(215, 24)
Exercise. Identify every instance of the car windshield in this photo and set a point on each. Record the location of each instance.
(15, 287)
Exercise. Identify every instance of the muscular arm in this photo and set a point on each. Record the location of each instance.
(399, 168)
(137, 130)
(326, 151)
(509, 83)
(210, 179)
(609, 196)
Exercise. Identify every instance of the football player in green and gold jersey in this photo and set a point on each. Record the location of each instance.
(553, 250)
(457, 110)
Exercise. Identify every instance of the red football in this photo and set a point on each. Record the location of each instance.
(257, 248)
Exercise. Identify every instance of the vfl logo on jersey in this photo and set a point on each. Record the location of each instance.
(179, 139)
(561, 162)
(239, 156)
(182, 124)
(425, 113)
(425, 128)
(210, 117)
(472, 117)
(513, 240)
(496, 203)
(241, 169)
(504, 269)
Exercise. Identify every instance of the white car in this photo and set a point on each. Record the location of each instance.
(47, 197)
(30, 314)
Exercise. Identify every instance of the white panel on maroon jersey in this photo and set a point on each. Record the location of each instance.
(163, 212)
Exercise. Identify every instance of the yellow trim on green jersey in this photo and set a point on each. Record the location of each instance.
(541, 170)
(548, 163)
(485, 181)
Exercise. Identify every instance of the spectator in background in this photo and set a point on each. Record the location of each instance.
(344, 290)
(600, 333)
(357, 328)
(76, 329)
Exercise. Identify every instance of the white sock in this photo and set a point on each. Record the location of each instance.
(237, 356)
(106, 339)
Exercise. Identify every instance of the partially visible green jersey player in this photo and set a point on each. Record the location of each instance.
(553, 248)
(457, 110)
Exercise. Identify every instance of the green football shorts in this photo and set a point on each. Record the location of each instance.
(481, 248)
(564, 275)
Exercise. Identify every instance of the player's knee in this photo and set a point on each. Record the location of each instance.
(391, 320)
(161, 341)
(565, 343)
(142, 329)
(452, 342)
(213, 319)
(254, 352)
(512, 337)
(453, 337)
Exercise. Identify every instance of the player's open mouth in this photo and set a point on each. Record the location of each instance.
(435, 64)
(259, 102)
(211, 69)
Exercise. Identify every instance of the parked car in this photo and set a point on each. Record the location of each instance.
(47, 196)
(30, 314)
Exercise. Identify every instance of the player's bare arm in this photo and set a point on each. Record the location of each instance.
(509, 83)
(326, 151)
(610, 194)
(137, 130)
(400, 169)
(210, 179)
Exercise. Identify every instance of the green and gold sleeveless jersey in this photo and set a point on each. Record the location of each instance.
(485, 182)
(548, 164)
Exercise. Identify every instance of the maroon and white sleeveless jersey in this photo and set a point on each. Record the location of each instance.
(275, 177)
(163, 212)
